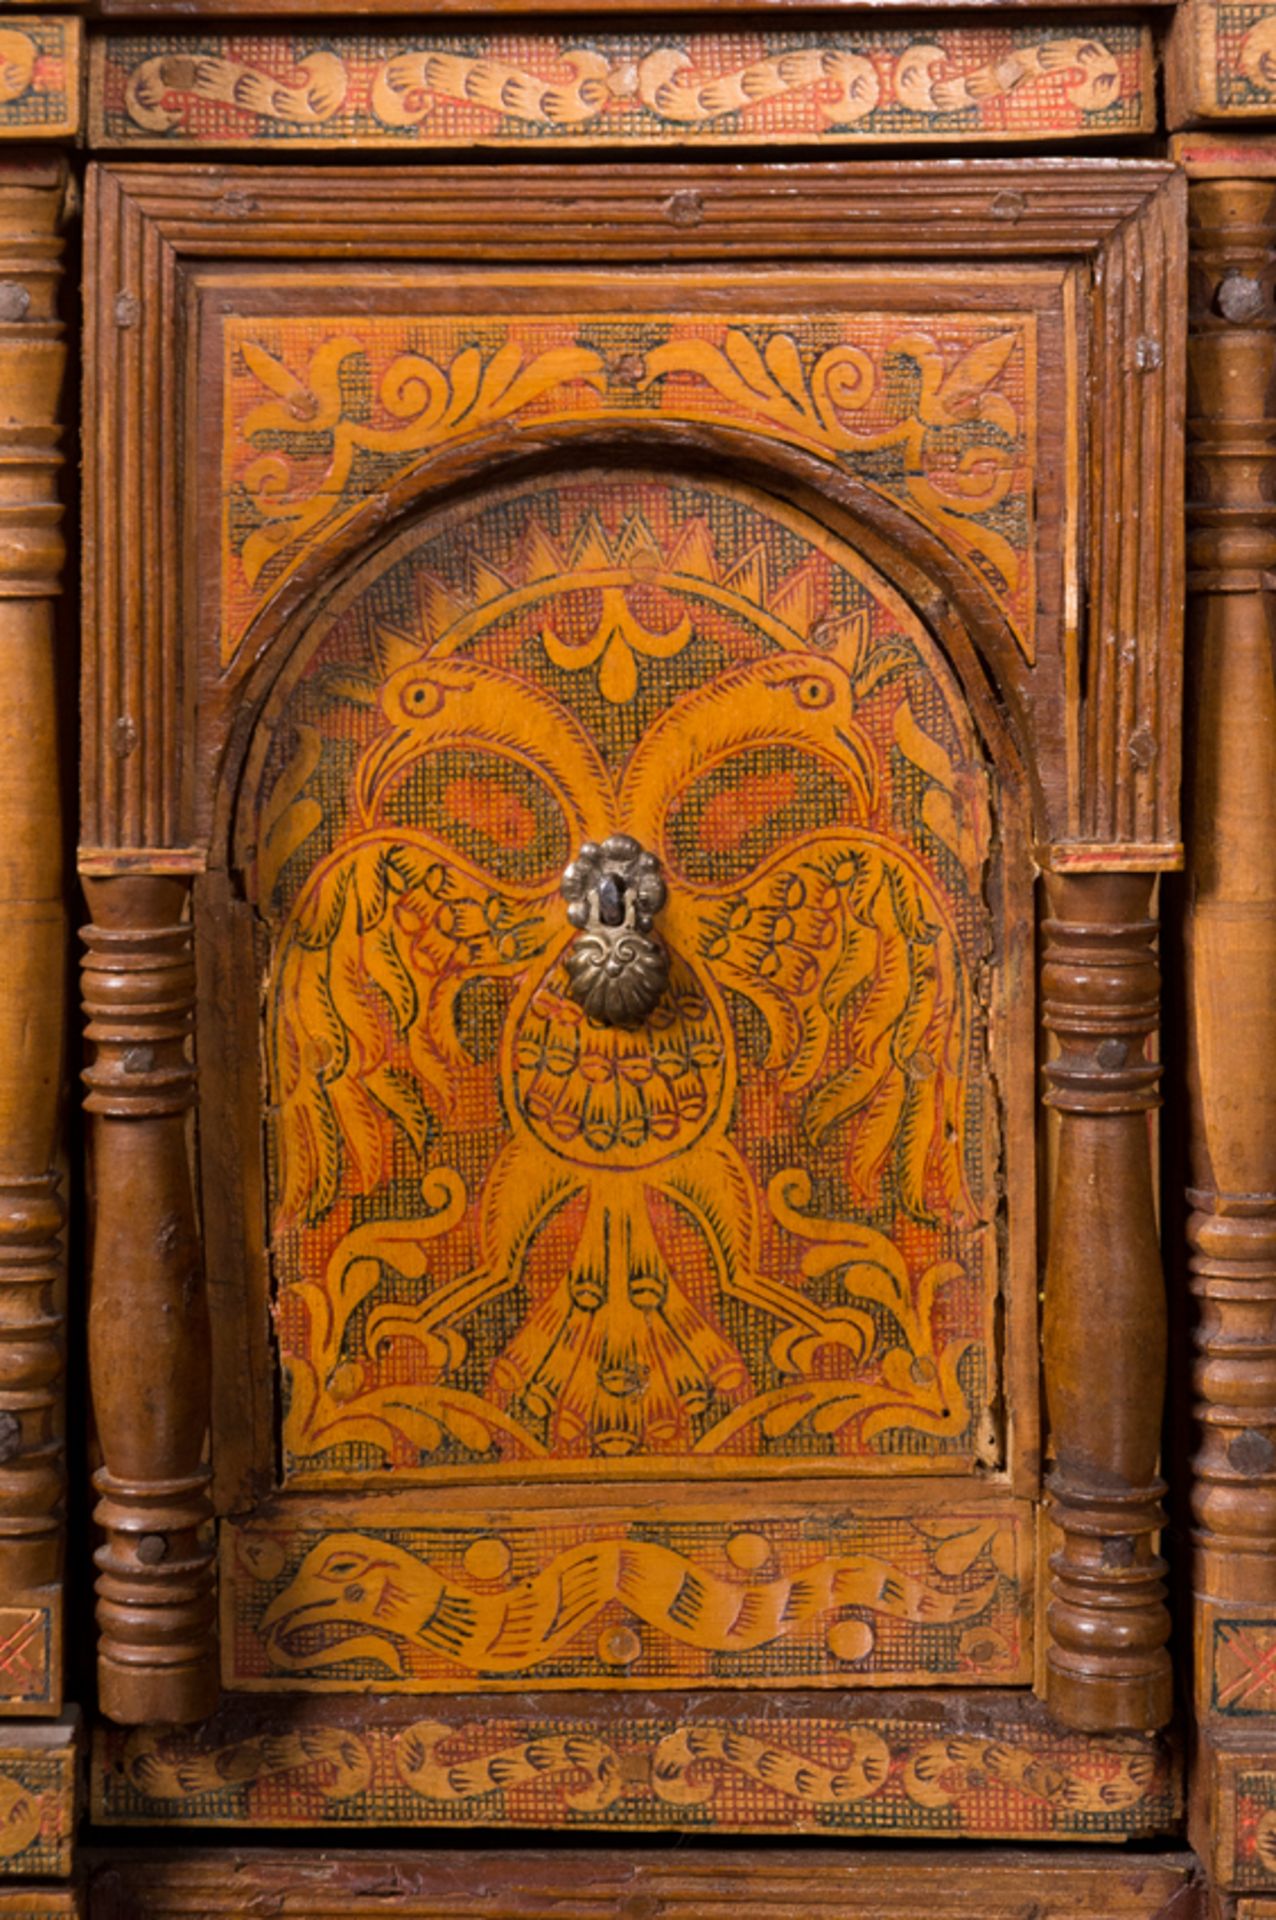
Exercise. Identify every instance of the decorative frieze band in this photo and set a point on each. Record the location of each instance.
(905, 1765)
(1061, 80)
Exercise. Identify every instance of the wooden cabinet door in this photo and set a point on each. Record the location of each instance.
(587, 675)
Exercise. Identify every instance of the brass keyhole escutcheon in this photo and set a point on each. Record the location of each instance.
(617, 968)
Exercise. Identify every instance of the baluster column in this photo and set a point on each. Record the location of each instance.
(33, 197)
(1107, 1667)
(148, 1314)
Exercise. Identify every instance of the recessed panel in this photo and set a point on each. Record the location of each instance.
(754, 1226)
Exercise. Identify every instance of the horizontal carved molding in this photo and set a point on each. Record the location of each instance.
(601, 1883)
(187, 10)
(990, 1766)
(1064, 80)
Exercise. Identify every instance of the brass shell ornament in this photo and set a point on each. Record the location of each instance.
(617, 968)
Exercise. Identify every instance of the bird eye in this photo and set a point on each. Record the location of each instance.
(421, 697)
(812, 691)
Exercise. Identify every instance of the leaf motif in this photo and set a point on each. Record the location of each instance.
(852, 968)
(360, 1126)
(790, 1413)
(401, 1098)
(557, 367)
(919, 1009)
(881, 661)
(749, 364)
(389, 970)
(950, 1417)
(291, 829)
(463, 379)
(976, 370)
(838, 1097)
(874, 1137)
(710, 363)
(784, 364)
(347, 983)
(272, 373)
(498, 374)
(915, 1137)
(925, 752)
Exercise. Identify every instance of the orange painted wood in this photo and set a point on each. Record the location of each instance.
(990, 1765)
(1110, 779)
(41, 76)
(973, 82)
(1220, 64)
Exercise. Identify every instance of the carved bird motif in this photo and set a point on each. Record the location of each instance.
(619, 1142)
(357, 1596)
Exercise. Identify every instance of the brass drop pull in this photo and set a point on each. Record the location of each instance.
(617, 967)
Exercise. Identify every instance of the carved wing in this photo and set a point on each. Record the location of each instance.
(362, 999)
(854, 963)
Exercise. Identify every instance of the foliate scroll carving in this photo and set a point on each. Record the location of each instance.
(391, 91)
(32, 940)
(1107, 1666)
(934, 409)
(148, 1327)
(911, 1772)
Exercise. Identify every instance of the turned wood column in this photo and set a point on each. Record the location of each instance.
(1230, 930)
(1107, 1665)
(32, 936)
(148, 1315)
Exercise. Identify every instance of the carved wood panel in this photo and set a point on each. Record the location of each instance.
(788, 609)
(612, 1213)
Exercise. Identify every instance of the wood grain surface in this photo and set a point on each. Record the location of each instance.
(33, 937)
(1229, 962)
(834, 1884)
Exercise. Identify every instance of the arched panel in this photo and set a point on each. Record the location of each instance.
(758, 1228)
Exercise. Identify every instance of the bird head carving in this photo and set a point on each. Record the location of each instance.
(351, 1598)
(804, 700)
(433, 703)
